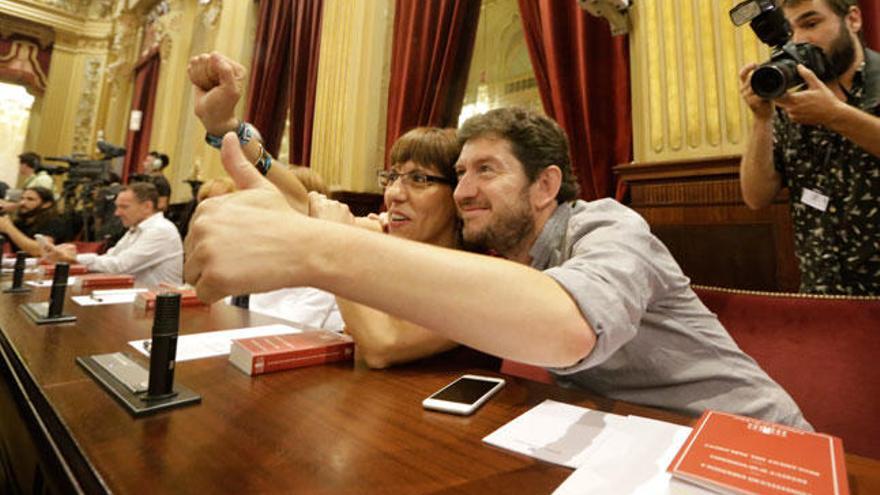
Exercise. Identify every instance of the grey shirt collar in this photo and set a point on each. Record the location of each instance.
(549, 249)
(871, 76)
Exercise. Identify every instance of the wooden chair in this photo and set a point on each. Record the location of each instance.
(822, 349)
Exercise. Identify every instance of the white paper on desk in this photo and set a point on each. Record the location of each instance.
(555, 432)
(48, 282)
(10, 262)
(26, 270)
(105, 299)
(632, 461)
(210, 344)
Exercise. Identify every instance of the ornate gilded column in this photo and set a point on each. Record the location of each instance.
(350, 108)
(685, 60)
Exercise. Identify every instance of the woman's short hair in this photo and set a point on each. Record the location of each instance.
(429, 147)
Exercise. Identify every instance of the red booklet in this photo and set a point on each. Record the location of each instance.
(188, 297)
(258, 355)
(49, 270)
(98, 280)
(734, 454)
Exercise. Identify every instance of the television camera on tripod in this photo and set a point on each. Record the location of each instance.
(90, 188)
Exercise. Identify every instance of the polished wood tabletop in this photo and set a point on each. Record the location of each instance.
(337, 428)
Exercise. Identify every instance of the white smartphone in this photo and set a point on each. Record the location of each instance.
(465, 395)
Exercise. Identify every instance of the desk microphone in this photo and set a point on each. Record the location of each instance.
(242, 301)
(163, 347)
(59, 286)
(18, 273)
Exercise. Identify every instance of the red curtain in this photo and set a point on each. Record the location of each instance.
(284, 74)
(430, 58)
(137, 143)
(305, 48)
(583, 76)
(268, 95)
(871, 22)
(24, 61)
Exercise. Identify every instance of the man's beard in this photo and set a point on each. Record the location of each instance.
(842, 52)
(28, 215)
(507, 231)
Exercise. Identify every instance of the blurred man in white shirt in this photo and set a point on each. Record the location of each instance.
(151, 250)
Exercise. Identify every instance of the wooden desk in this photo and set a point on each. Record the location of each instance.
(324, 429)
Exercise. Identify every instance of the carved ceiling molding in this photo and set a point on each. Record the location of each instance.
(59, 20)
(86, 9)
(43, 35)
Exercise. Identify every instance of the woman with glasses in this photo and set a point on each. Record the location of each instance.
(418, 189)
(419, 207)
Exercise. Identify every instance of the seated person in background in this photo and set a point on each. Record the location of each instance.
(583, 288)
(37, 215)
(153, 165)
(215, 187)
(151, 250)
(303, 305)
(418, 195)
(33, 175)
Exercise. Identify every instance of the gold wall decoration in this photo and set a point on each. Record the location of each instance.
(685, 59)
(85, 113)
(211, 13)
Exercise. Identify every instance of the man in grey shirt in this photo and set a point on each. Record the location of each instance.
(605, 305)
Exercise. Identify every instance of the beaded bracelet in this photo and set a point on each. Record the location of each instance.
(264, 162)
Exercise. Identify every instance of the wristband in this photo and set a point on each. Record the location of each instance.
(264, 162)
(244, 131)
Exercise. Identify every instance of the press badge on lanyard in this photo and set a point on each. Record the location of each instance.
(815, 199)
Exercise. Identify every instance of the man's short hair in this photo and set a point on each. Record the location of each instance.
(536, 141)
(839, 7)
(30, 159)
(46, 196)
(162, 157)
(143, 191)
(428, 147)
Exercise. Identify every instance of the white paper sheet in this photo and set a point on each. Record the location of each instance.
(210, 344)
(555, 432)
(632, 461)
(104, 300)
(48, 282)
(10, 262)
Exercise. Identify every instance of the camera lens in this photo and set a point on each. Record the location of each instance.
(773, 79)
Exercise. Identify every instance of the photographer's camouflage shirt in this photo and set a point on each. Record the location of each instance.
(839, 248)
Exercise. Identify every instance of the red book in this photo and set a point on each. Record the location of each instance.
(147, 300)
(258, 355)
(49, 270)
(98, 280)
(738, 455)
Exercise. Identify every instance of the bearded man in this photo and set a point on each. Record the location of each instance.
(36, 215)
(821, 143)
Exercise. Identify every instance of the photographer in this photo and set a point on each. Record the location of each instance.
(36, 215)
(821, 143)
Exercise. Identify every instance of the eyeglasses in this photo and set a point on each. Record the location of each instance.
(414, 179)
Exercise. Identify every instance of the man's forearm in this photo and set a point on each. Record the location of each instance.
(759, 180)
(858, 126)
(24, 243)
(490, 304)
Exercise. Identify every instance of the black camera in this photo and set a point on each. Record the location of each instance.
(774, 77)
